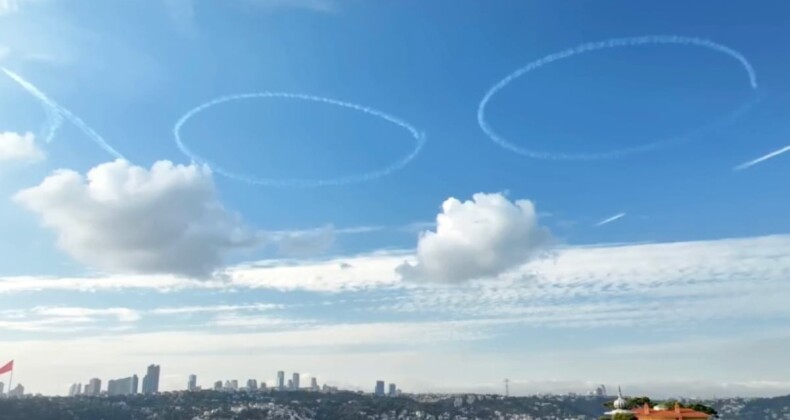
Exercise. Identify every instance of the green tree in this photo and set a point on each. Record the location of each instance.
(637, 402)
(624, 416)
(705, 409)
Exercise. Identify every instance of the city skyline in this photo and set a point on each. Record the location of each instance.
(361, 191)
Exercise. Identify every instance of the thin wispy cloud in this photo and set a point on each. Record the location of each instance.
(749, 164)
(608, 220)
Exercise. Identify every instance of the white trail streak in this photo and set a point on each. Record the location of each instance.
(761, 159)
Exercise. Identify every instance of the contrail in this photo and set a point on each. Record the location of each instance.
(610, 219)
(602, 45)
(298, 182)
(56, 114)
(771, 155)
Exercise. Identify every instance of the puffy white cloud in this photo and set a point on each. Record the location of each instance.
(483, 237)
(125, 218)
(18, 147)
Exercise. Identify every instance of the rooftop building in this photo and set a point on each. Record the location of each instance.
(662, 413)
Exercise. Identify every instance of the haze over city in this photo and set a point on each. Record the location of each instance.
(439, 195)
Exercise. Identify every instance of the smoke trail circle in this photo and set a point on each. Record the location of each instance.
(56, 114)
(297, 182)
(602, 45)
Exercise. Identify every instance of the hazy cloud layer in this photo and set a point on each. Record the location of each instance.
(483, 237)
(125, 218)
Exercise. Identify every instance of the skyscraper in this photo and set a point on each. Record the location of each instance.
(380, 388)
(123, 386)
(218, 386)
(93, 387)
(252, 385)
(295, 385)
(79, 389)
(280, 380)
(290, 384)
(192, 383)
(151, 380)
(234, 384)
(393, 390)
(314, 384)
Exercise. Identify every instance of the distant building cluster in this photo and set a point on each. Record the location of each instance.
(122, 386)
(600, 391)
(392, 391)
(17, 391)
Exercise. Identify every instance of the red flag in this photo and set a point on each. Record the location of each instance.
(8, 367)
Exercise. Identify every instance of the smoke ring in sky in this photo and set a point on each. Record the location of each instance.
(297, 182)
(602, 45)
(56, 114)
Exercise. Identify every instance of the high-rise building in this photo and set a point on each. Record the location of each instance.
(79, 389)
(123, 386)
(18, 391)
(380, 388)
(280, 380)
(218, 386)
(393, 390)
(112, 388)
(290, 384)
(295, 384)
(262, 386)
(232, 385)
(192, 383)
(93, 387)
(151, 380)
(314, 384)
(252, 385)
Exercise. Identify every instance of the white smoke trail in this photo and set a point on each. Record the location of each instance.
(763, 158)
(601, 45)
(56, 114)
(304, 183)
(610, 219)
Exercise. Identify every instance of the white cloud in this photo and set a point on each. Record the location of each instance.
(188, 310)
(19, 147)
(122, 314)
(233, 320)
(304, 243)
(125, 218)
(361, 272)
(160, 283)
(479, 238)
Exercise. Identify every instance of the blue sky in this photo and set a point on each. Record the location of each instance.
(109, 258)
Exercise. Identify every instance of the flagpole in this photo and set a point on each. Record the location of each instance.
(10, 381)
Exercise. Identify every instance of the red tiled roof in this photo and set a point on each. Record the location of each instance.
(678, 413)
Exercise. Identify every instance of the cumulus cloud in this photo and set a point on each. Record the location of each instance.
(126, 218)
(483, 237)
(19, 147)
